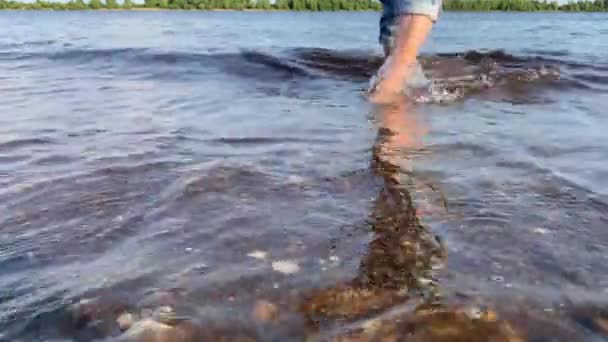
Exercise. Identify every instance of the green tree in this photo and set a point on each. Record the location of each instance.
(312, 5)
(127, 4)
(263, 4)
(95, 4)
(298, 5)
(80, 4)
(282, 4)
(111, 4)
(177, 4)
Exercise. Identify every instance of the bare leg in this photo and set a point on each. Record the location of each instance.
(412, 32)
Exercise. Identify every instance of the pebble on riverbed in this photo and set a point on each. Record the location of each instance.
(285, 267)
(261, 255)
(265, 311)
(497, 278)
(125, 321)
(541, 231)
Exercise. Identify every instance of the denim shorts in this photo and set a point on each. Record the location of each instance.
(394, 9)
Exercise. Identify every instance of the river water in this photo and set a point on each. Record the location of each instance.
(221, 176)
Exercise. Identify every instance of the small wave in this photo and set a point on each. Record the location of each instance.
(551, 53)
(27, 44)
(54, 160)
(13, 159)
(246, 63)
(351, 64)
(455, 75)
(568, 83)
(20, 143)
(477, 57)
(463, 150)
(86, 133)
(223, 178)
(547, 58)
(115, 54)
(128, 170)
(461, 74)
(92, 54)
(535, 57)
(274, 63)
(85, 213)
(337, 62)
(592, 78)
(269, 140)
(553, 186)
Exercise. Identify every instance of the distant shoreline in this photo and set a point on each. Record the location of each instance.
(473, 6)
(158, 9)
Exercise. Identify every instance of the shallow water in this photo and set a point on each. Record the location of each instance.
(228, 166)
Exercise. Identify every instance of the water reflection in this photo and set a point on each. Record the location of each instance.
(403, 254)
(396, 292)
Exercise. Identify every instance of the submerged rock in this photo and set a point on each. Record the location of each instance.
(591, 316)
(437, 325)
(166, 315)
(97, 315)
(149, 330)
(349, 302)
(602, 324)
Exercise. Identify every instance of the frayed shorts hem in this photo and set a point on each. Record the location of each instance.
(395, 9)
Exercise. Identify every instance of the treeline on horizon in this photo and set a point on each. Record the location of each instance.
(308, 5)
